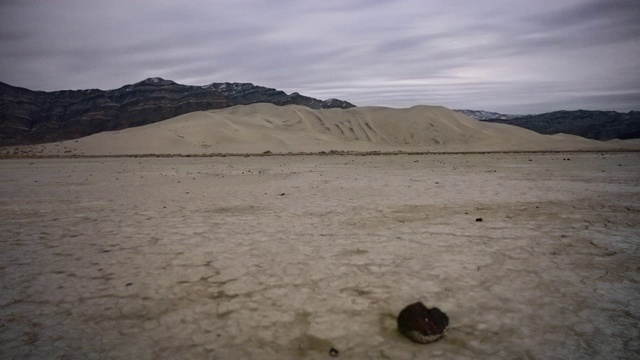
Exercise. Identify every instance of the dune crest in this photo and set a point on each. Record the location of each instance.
(263, 127)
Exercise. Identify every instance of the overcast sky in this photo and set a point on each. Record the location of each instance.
(511, 56)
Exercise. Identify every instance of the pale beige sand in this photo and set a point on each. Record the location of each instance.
(281, 129)
(285, 257)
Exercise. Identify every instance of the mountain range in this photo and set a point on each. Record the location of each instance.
(32, 117)
(485, 115)
(596, 125)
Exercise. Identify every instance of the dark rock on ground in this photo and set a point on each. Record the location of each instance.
(333, 352)
(421, 324)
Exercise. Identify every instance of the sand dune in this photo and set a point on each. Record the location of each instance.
(281, 129)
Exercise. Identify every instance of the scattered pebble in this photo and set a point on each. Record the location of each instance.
(334, 352)
(478, 219)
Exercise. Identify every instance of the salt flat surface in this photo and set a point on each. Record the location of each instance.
(285, 257)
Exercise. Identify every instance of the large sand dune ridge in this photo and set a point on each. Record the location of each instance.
(259, 128)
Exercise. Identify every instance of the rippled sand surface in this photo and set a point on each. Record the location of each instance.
(285, 257)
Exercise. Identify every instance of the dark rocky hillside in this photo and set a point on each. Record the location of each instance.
(31, 117)
(598, 125)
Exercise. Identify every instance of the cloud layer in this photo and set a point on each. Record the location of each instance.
(512, 56)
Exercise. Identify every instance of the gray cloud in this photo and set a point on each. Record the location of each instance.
(502, 55)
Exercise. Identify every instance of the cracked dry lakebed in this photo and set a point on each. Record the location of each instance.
(288, 257)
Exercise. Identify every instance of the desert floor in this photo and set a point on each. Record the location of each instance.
(285, 257)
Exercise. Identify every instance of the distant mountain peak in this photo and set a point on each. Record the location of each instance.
(156, 81)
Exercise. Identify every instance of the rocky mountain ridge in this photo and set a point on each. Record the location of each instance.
(485, 115)
(596, 125)
(32, 117)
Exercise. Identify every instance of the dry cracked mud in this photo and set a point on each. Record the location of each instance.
(290, 256)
